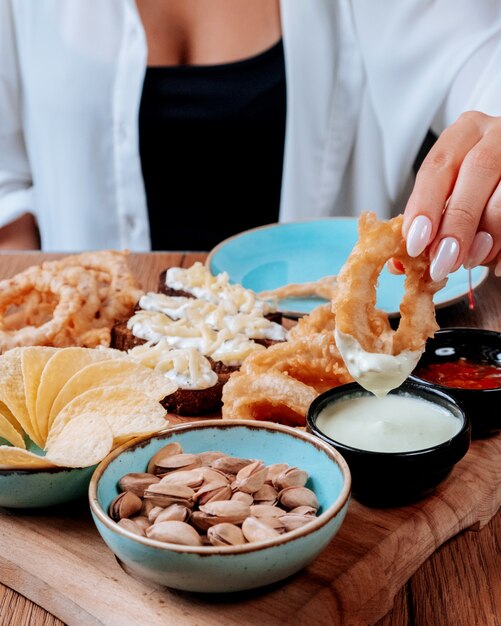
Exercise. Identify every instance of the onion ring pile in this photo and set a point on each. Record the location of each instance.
(73, 301)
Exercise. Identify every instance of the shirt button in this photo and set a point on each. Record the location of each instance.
(130, 221)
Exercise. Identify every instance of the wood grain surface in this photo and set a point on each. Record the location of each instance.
(417, 562)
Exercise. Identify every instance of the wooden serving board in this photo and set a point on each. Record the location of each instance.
(56, 558)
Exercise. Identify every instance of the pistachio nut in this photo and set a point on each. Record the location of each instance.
(266, 495)
(206, 458)
(266, 510)
(131, 526)
(137, 482)
(290, 477)
(173, 462)
(292, 497)
(163, 494)
(212, 492)
(291, 521)
(225, 535)
(171, 448)
(256, 530)
(141, 521)
(174, 532)
(173, 512)
(243, 497)
(125, 504)
(229, 464)
(274, 470)
(190, 478)
(251, 477)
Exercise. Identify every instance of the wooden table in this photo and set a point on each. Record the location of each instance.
(459, 583)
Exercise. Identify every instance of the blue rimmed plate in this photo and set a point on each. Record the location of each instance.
(278, 254)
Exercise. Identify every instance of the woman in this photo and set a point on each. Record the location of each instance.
(341, 118)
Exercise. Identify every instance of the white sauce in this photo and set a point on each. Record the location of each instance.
(395, 423)
(379, 373)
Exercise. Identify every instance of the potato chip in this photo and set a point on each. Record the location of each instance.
(33, 361)
(59, 369)
(84, 441)
(12, 389)
(7, 430)
(110, 373)
(17, 458)
(128, 413)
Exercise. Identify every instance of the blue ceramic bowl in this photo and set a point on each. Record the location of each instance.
(228, 568)
(482, 406)
(382, 479)
(36, 488)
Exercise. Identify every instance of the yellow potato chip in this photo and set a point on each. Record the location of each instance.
(16, 458)
(59, 369)
(33, 361)
(84, 441)
(110, 373)
(127, 412)
(7, 429)
(12, 389)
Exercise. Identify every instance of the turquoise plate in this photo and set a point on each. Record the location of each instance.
(271, 256)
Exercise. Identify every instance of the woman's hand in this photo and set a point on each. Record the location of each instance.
(21, 234)
(455, 206)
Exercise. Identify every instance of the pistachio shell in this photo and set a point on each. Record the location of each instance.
(154, 512)
(266, 510)
(255, 530)
(303, 510)
(125, 504)
(274, 469)
(291, 477)
(251, 477)
(246, 498)
(292, 497)
(174, 532)
(190, 478)
(266, 495)
(141, 521)
(292, 521)
(174, 462)
(206, 458)
(163, 494)
(171, 448)
(137, 482)
(225, 535)
(230, 464)
(131, 526)
(212, 492)
(174, 512)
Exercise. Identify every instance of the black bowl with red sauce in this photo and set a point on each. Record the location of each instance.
(466, 363)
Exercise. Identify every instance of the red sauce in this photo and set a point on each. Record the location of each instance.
(462, 373)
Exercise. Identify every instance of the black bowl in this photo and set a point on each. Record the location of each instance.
(482, 406)
(382, 479)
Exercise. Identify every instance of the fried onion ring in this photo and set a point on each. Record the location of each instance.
(322, 288)
(70, 305)
(378, 357)
(279, 383)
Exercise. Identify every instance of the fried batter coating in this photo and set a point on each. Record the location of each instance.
(355, 300)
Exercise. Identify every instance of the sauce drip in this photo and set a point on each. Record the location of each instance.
(462, 373)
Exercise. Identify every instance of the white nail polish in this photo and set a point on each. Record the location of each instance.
(419, 235)
(444, 259)
(497, 269)
(480, 248)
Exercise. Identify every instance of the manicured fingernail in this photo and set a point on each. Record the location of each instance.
(497, 269)
(444, 259)
(419, 235)
(480, 248)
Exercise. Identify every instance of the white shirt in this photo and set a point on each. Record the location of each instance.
(365, 81)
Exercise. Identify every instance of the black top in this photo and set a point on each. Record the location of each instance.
(211, 146)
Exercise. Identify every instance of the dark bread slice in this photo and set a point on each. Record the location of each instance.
(183, 401)
(122, 338)
(162, 288)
